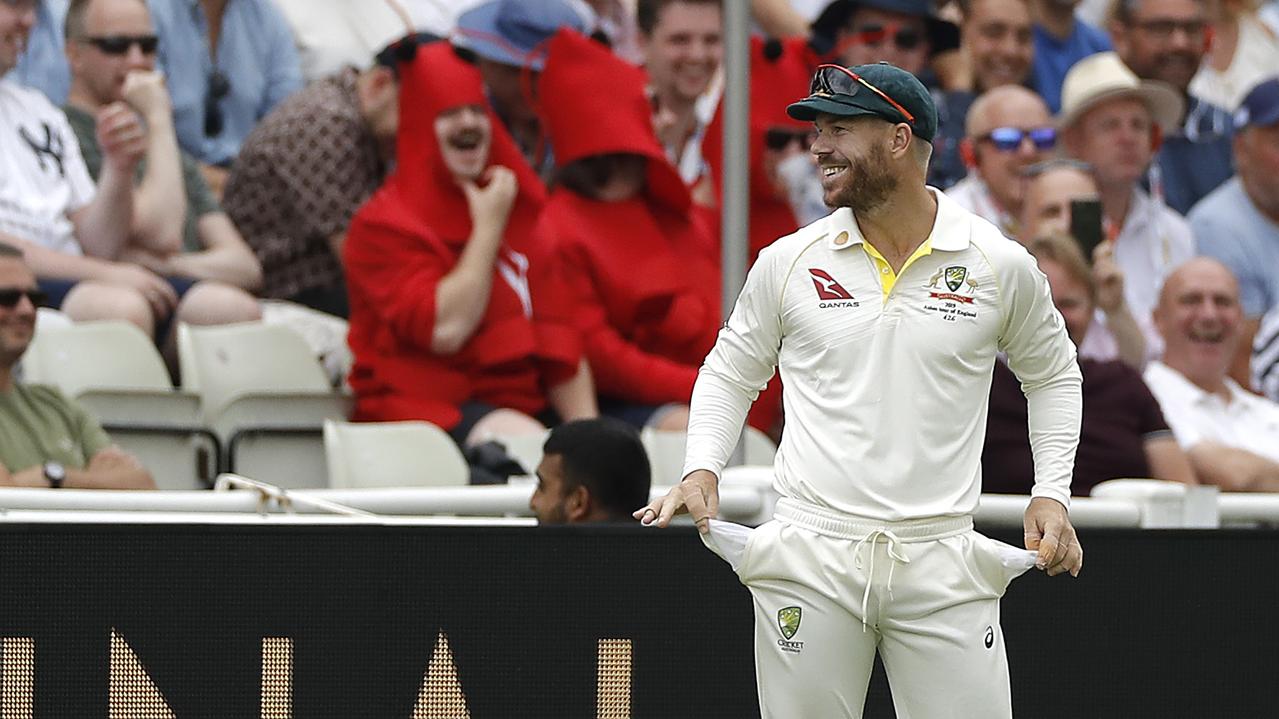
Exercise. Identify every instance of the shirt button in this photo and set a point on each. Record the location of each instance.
(884, 270)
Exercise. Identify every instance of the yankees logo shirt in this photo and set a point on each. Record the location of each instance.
(42, 174)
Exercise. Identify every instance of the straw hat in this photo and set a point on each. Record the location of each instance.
(1103, 76)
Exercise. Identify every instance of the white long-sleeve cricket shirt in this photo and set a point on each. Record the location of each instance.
(886, 375)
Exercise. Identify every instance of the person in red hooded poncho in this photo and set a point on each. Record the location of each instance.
(643, 267)
(458, 315)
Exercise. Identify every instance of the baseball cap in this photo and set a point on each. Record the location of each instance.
(879, 90)
(510, 31)
(1260, 107)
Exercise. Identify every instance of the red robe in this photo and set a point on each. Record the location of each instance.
(645, 271)
(410, 234)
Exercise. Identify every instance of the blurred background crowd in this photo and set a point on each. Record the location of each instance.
(501, 215)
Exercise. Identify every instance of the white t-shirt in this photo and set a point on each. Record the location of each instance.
(1245, 422)
(42, 174)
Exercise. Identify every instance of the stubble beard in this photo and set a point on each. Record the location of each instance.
(868, 184)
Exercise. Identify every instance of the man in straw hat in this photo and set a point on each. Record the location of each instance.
(1115, 121)
(883, 319)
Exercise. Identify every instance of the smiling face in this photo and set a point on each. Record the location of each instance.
(464, 134)
(1000, 167)
(684, 50)
(1162, 39)
(17, 323)
(998, 38)
(1199, 317)
(17, 17)
(853, 156)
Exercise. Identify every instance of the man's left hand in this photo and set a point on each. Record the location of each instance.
(1049, 531)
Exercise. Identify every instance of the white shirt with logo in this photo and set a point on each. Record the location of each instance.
(1246, 421)
(885, 394)
(42, 173)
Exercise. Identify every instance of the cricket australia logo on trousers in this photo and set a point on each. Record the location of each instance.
(829, 292)
(788, 619)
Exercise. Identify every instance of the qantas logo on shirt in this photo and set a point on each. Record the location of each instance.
(829, 291)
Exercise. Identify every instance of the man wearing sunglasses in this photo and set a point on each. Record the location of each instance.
(1009, 129)
(45, 439)
(178, 230)
(70, 230)
(883, 320)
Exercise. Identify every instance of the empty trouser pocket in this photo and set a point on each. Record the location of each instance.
(728, 540)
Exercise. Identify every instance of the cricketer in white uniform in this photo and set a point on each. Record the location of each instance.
(883, 319)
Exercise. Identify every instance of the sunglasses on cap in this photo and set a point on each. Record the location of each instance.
(120, 44)
(904, 38)
(839, 80)
(778, 138)
(1009, 139)
(11, 296)
(219, 87)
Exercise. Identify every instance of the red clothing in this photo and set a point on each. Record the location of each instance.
(645, 270)
(780, 73)
(410, 235)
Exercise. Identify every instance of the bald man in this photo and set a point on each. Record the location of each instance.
(1009, 129)
(1229, 433)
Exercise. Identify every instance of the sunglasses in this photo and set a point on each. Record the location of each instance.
(839, 80)
(219, 87)
(11, 296)
(1009, 139)
(779, 138)
(120, 44)
(873, 34)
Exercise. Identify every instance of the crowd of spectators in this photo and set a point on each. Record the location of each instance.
(515, 203)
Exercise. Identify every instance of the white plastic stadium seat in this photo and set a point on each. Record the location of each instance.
(264, 394)
(114, 371)
(392, 454)
(666, 452)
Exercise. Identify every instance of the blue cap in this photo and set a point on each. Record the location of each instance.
(1260, 107)
(510, 31)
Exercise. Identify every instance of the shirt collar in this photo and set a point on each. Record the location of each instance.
(1197, 394)
(951, 228)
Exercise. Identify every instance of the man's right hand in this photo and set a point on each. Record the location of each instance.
(491, 205)
(155, 289)
(145, 92)
(697, 494)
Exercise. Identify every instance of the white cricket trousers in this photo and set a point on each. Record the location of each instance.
(830, 589)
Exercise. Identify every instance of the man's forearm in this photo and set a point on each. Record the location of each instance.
(1129, 338)
(575, 398)
(160, 202)
(717, 413)
(120, 477)
(49, 263)
(104, 225)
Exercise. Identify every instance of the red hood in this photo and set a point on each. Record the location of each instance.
(780, 74)
(593, 103)
(421, 191)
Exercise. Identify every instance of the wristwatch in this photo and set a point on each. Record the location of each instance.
(55, 473)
